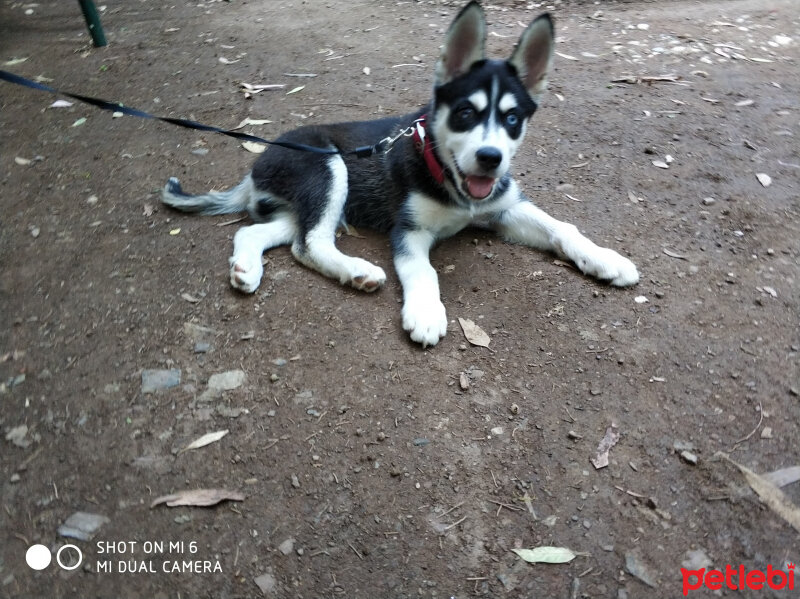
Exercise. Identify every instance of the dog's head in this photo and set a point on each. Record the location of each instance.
(481, 107)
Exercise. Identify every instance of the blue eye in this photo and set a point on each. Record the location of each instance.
(512, 120)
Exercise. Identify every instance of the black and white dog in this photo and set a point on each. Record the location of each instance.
(450, 170)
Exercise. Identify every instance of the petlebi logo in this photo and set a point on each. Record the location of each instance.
(738, 579)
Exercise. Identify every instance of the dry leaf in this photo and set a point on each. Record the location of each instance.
(672, 254)
(660, 164)
(784, 476)
(79, 122)
(567, 56)
(295, 90)
(224, 60)
(255, 148)
(771, 495)
(60, 104)
(249, 121)
(474, 334)
(198, 497)
(764, 179)
(546, 555)
(206, 439)
(14, 61)
(606, 443)
(190, 298)
(174, 232)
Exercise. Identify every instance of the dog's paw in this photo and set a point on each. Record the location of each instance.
(425, 321)
(370, 278)
(607, 265)
(245, 276)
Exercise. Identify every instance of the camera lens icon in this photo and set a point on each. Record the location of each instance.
(68, 557)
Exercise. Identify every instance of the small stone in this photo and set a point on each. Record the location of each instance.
(689, 457)
(573, 435)
(709, 201)
(202, 347)
(287, 546)
(679, 445)
(696, 559)
(267, 584)
(295, 481)
(159, 380)
(300, 551)
(15, 478)
(420, 442)
(587, 524)
(82, 526)
(497, 431)
(636, 567)
(381, 436)
(226, 381)
(274, 377)
(514, 409)
(279, 362)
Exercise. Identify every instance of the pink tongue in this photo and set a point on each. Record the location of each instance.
(479, 187)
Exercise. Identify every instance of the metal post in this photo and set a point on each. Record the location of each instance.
(93, 22)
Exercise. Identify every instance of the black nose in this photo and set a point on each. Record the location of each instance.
(489, 157)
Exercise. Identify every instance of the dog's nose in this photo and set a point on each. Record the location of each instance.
(488, 157)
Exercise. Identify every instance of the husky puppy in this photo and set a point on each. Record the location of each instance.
(447, 168)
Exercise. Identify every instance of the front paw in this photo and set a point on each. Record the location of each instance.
(245, 276)
(608, 265)
(425, 321)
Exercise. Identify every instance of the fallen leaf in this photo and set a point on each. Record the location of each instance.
(764, 179)
(190, 298)
(546, 555)
(567, 56)
(206, 439)
(474, 334)
(14, 61)
(224, 60)
(174, 232)
(255, 148)
(60, 104)
(771, 495)
(660, 164)
(249, 121)
(606, 443)
(198, 497)
(672, 254)
(640, 299)
(784, 476)
(79, 122)
(295, 90)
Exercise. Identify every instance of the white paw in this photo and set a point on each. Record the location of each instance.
(425, 321)
(368, 278)
(245, 275)
(608, 265)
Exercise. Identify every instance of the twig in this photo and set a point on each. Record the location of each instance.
(232, 222)
(753, 432)
(455, 507)
(454, 524)
(356, 551)
(513, 508)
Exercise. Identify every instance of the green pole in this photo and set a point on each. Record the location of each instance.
(93, 22)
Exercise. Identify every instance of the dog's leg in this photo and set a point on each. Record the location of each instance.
(424, 316)
(317, 248)
(250, 243)
(525, 223)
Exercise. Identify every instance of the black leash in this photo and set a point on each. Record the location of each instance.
(362, 152)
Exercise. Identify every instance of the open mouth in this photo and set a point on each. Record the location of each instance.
(478, 187)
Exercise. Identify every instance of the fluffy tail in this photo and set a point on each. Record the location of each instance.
(236, 199)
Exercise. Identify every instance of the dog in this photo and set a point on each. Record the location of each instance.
(448, 167)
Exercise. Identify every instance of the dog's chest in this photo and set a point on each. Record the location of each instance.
(440, 219)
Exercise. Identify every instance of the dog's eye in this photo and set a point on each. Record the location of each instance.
(512, 120)
(466, 114)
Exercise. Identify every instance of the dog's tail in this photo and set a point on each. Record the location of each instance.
(236, 199)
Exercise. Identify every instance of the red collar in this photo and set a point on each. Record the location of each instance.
(421, 143)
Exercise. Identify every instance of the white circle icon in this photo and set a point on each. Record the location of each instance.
(77, 562)
(38, 557)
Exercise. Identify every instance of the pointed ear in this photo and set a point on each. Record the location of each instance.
(464, 44)
(533, 56)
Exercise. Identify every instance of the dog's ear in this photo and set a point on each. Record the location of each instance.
(533, 56)
(464, 44)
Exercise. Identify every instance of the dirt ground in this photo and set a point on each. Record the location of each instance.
(369, 466)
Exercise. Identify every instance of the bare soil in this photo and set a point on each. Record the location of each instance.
(396, 471)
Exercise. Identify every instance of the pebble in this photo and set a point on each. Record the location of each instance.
(636, 567)
(158, 380)
(689, 457)
(709, 201)
(82, 525)
(267, 583)
(287, 546)
(225, 381)
(202, 347)
(420, 441)
(295, 481)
